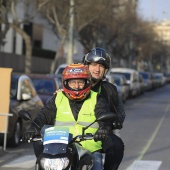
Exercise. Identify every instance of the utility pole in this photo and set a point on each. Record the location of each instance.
(69, 58)
(152, 15)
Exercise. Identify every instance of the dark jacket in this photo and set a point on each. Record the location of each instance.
(109, 92)
(47, 114)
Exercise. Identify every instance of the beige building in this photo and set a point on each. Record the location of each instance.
(163, 30)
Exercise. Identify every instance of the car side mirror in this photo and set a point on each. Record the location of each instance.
(26, 96)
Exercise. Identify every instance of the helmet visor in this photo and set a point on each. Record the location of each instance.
(91, 58)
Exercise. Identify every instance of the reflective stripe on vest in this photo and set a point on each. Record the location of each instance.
(86, 116)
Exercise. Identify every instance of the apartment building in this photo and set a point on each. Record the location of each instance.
(163, 30)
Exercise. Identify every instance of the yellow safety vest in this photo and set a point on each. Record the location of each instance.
(64, 117)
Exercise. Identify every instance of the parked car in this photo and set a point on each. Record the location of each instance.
(142, 84)
(59, 79)
(45, 85)
(167, 75)
(23, 96)
(122, 86)
(147, 80)
(109, 78)
(161, 79)
(154, 81)
(60, 69)
(132, 77)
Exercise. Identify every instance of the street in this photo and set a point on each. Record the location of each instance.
(145, 134)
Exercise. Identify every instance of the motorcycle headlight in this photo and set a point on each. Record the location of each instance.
(54, 164)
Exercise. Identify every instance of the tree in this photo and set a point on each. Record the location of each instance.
(12, 18)
(92, 21)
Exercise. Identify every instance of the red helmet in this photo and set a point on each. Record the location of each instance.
(76, 71)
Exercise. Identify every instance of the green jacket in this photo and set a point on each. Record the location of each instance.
(64, 117)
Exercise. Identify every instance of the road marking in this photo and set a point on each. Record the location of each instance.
(153, 135)
(25, 162)
(141, 165)
(145, 165)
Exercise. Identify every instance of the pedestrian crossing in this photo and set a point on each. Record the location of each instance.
(145, 165)
(24, 162)
(28, 162)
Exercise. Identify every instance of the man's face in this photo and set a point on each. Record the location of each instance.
(97, 71)
(76, 84)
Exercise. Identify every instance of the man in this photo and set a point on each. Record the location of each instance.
(76, 105)
(98, 62)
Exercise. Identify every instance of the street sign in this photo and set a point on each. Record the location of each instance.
(5, 80)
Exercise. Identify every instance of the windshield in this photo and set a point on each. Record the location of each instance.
(61, 70)
(14, 87)
(127, 75)
(145, 75)
(117, 81)
(43, 86)
(55, 137)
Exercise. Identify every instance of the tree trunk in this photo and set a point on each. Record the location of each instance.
(57, 55)
(28, 53)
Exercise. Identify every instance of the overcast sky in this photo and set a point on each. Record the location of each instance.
(154, 9)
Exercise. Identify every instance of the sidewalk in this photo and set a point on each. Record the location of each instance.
(1, 151)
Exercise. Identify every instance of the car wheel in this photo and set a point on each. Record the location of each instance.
(14, 141)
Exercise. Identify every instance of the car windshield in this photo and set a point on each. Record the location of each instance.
(145, 75)
(127, 75)
(61, 70)
(43, 86)
(117, 81)
(14, 87)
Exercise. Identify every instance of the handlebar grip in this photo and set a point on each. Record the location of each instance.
(87, 136)
(36, 139)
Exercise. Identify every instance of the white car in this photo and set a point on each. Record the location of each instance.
(122, 86)
(132, 77)
(60, 69)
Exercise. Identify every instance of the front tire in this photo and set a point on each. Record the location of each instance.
(14, 141)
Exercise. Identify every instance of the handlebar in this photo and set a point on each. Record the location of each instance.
(80, 138)
(36, 139)
(87, 136)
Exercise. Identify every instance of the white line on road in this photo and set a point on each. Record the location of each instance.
(26, 162)
(142, 165)
(145, 165)
(154, 134)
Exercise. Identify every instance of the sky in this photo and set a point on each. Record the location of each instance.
(156, 10)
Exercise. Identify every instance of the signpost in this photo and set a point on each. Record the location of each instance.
(5, 80)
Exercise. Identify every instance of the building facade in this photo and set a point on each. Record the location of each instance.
(163, 30)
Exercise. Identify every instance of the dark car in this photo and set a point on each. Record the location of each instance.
(23, 96)
(45, 85)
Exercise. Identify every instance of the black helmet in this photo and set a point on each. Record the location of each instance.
(97, 55)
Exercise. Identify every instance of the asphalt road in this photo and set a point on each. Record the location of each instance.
(146, 131)
(145, 134)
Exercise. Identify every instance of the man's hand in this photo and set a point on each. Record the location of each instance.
(101, 134)
(29, 133)
(58, 91)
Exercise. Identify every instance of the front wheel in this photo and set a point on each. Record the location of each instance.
(86, 167)
(37, 167)
(14, 141)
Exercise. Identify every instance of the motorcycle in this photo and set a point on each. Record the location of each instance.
(61, 150)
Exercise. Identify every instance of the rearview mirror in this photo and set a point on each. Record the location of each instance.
(107, 116)
(26, 96)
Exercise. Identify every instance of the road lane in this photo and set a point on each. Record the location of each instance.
(145, 134)
(145, 130)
